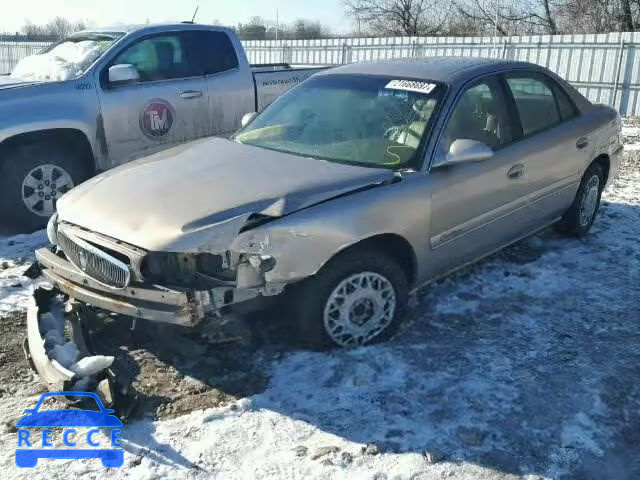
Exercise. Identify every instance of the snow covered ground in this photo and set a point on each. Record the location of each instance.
(524, 366)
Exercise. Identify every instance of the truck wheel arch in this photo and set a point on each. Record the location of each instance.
(68, 137)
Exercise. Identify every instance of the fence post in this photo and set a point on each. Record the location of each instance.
(618, 70)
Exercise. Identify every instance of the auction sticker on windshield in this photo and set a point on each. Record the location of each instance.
(411, 86)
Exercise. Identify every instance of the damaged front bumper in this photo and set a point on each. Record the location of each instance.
(56, 376)
(80, 296)
(155, 303)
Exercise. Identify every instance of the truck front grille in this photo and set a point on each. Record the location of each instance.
(95, 263)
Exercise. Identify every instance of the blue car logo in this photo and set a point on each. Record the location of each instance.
(66, 419)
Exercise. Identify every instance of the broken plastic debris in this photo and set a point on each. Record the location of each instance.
(89, 366)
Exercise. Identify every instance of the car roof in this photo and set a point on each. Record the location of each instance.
(439, 69)
(152, 27)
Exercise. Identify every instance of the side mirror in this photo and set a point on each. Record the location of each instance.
(247, 118)
(123, 73)
(465, 151)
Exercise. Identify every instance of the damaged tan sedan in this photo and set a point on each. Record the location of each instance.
(344, 195)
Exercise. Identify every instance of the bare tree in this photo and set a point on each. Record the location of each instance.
(58, 27)
(399, 17)
(599, 16)
(513, 17)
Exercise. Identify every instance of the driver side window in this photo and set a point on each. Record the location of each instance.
(480, 115)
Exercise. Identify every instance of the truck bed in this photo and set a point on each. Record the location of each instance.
(272, 80)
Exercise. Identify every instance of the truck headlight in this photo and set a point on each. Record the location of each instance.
(52, 229)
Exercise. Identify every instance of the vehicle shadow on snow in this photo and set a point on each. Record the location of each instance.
(512, 364)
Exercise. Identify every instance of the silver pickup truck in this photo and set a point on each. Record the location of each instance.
(100, 98)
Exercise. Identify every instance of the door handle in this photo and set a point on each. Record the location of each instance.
(515, 172)
(191, 94)
(582, 142)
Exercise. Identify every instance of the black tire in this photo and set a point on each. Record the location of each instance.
(16, 162)
(571, 223)
(306, 300)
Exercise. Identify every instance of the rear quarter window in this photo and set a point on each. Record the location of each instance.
(216, 52)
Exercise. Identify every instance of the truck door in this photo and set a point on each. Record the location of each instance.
(229, 80)
(167, 105)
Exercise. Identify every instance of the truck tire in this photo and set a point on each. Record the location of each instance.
(32, 178)
(358, 298)
(577, 221)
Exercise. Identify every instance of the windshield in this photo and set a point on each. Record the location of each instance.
(65, 59)
(356, 119)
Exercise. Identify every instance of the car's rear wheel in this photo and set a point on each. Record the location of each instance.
(358, 298)
(32, 178)
(579, 218)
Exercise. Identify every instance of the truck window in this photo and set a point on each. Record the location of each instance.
(161, 57)
(215, 51)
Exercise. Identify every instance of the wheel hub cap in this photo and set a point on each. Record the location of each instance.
(359, 309)
(589, 201)
(42, 187)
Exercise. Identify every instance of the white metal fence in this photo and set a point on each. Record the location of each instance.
(605, 68)
(11, 52)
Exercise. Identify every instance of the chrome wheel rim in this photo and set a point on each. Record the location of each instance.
(589, 201)
(360, 308)
(42, 187)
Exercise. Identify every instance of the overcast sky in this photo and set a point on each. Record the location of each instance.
(229, 12)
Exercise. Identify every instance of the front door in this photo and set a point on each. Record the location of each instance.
(475, 207)
(166, 106)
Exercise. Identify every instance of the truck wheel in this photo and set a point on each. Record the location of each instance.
(577, 221)
(32, 179)
(358, 298)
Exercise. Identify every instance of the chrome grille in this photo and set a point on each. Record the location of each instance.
(95, 263)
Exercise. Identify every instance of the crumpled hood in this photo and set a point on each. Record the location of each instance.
(179, 199)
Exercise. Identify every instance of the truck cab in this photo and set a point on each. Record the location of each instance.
(100, 98)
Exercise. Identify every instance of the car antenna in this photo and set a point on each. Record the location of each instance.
(193, 19)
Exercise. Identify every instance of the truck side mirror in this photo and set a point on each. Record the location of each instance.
(247, 118)
(123, 73)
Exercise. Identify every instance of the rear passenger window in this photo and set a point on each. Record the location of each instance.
(216, 52)
(535, 102)
(565, 104)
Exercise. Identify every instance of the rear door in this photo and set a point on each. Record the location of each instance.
(554, 143)
(229, 81)
(167, 106)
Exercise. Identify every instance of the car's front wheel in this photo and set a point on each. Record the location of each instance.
(358, 298)
(582, 213)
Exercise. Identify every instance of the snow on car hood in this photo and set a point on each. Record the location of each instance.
(179, 199)
(62, 62)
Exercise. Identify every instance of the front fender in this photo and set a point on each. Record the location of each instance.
(303, 242)
(50, 106)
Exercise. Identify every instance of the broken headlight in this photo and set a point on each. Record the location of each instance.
(186, 269)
